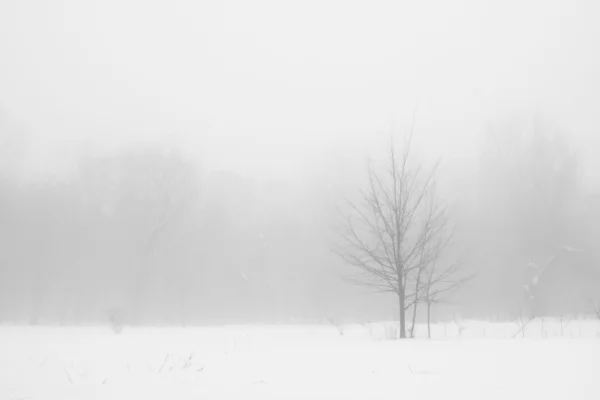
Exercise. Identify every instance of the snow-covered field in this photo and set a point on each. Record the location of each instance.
(303, 362)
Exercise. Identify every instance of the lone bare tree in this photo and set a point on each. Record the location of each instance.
(387, 234)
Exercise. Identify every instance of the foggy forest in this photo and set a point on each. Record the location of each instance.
(146, 235)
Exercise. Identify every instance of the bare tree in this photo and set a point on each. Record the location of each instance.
(385, 235)
(170, 181)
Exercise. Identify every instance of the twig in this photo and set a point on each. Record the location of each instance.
(164, 362)
(68, 375)
(523, 326)
(188, 362)
(424, 372)
(563, 325)
(595, 308)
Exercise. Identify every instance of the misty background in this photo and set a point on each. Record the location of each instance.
(180, 162)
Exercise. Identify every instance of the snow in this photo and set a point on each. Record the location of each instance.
(303, 362)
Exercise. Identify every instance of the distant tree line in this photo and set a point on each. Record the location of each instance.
(145, 236)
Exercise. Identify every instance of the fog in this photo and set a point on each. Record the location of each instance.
(259, 117)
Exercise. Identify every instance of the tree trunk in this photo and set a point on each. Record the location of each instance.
(414, 318)
(401, 301)
(429, 319)
(416, 305)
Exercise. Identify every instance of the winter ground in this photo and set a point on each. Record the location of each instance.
(303, 362)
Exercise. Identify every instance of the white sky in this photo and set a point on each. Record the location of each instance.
(274, 88)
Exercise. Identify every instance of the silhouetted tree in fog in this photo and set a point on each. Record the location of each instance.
(136, 207)
(166, 183)
(388, 235)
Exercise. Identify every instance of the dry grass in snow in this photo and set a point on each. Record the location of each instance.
(303, 362)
